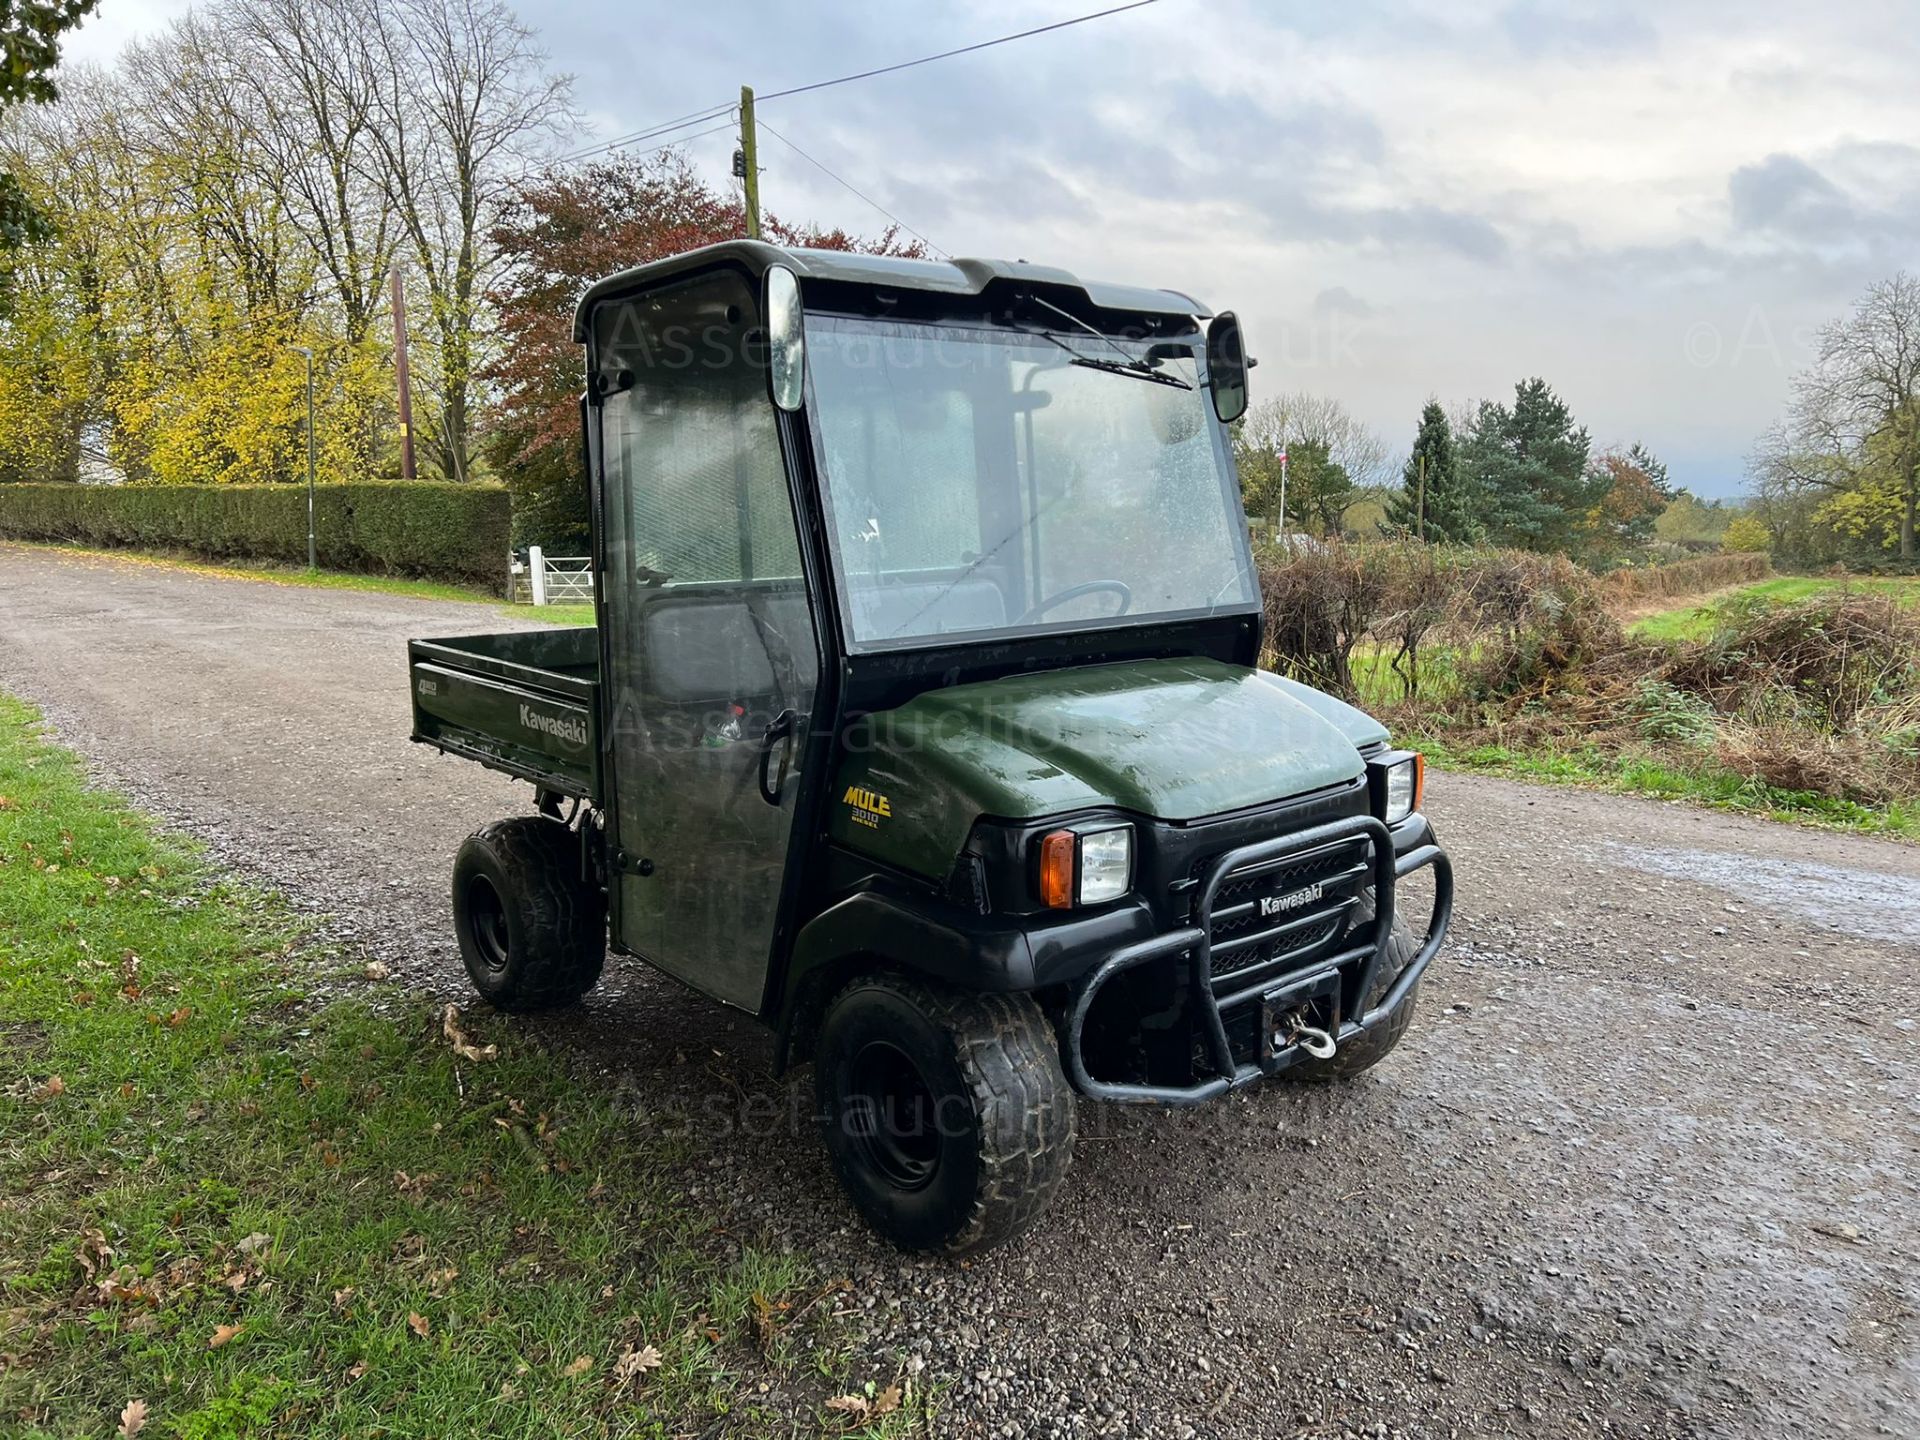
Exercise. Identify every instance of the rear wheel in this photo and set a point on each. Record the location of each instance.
(946, 1115)
(533, 931)
(1368, 1050)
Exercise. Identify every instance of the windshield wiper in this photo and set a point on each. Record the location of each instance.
(1135, 368)
(1126, 365)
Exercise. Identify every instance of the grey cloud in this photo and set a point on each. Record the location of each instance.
(1785, 194)
(1338, 300)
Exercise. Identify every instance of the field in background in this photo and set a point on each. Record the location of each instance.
(1696, 621)
(236, 1208)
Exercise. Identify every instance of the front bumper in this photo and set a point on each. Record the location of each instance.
(1218, 999)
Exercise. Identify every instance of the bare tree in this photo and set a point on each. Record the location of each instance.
(464, 102)
(1856, 412)
(1300, 417)
(301, 75)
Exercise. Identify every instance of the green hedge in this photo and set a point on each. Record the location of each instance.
(381, 527)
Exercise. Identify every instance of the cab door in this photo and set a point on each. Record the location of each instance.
(713, 659)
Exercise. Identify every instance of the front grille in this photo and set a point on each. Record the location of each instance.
(1279, 915)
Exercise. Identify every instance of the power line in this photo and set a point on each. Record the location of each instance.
(860, 193)
(962, 50)
(695, 117)
(649, 133)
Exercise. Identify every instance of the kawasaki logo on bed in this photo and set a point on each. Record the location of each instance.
(561, 727)
(869, 807)
(1293, 900)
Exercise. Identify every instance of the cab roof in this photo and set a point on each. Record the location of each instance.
(964, 276)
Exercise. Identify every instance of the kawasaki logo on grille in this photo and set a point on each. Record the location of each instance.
(1292, 900)
(561, 727)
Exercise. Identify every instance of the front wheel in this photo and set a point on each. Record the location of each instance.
(946, 1115)
(533, 930)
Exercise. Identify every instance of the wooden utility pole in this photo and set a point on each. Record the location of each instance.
(1420, 512)
(750, 155)
(400, 373)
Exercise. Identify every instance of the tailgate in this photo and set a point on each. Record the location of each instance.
(534, 723)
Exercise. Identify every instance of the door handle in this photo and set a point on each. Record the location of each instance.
(781, 729)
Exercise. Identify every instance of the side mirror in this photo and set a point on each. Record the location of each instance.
(786, 339)
(1227, 367)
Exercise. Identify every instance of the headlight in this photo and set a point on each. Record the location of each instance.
(1085, 867)
(1400, 780)
(1106, 865)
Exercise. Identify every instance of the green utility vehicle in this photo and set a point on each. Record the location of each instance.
(922, 721)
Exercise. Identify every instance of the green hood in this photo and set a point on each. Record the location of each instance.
(1170, 739)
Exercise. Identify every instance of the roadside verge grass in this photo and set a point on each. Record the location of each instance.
(1596, 769)
(230, 1207)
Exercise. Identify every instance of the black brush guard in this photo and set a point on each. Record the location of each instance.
(1212, 997)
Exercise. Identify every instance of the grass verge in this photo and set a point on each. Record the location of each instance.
(229, 1208)
(1643, 775)
(330, 580)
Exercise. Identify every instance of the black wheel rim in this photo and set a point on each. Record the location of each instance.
(487, 922)
(892, 1116)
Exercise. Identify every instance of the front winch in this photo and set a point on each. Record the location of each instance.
(1295, 1030)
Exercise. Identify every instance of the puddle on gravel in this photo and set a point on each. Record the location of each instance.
(1871, 904)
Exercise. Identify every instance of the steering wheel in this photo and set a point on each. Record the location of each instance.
(1074, 592)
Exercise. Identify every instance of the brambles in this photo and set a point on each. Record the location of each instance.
(1515, 654)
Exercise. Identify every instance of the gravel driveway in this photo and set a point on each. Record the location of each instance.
(1646, 1165)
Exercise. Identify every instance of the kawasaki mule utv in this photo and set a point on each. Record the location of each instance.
(922, 721)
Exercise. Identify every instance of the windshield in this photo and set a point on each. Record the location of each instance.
(991, 481)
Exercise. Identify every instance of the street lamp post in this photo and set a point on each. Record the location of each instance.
(313, 549)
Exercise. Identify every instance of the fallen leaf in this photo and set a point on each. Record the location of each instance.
(417, 1323)
(133, 1419)
(222, 1334)
(581, 1364)
(634, 1363)
(376, 970)
(128, 1091)
(850, 1404)
(341, 1297)
(887, 1401)
(54, 1086)
(93, 1252)
(354, 1372)
(254, 1243)
(462, 1046)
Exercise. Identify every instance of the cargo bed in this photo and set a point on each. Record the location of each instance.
(525, 703)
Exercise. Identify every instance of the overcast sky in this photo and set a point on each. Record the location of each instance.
(1651, 205)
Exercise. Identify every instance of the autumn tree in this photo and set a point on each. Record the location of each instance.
(562, 230)
(1629, 496)
(29, 51)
